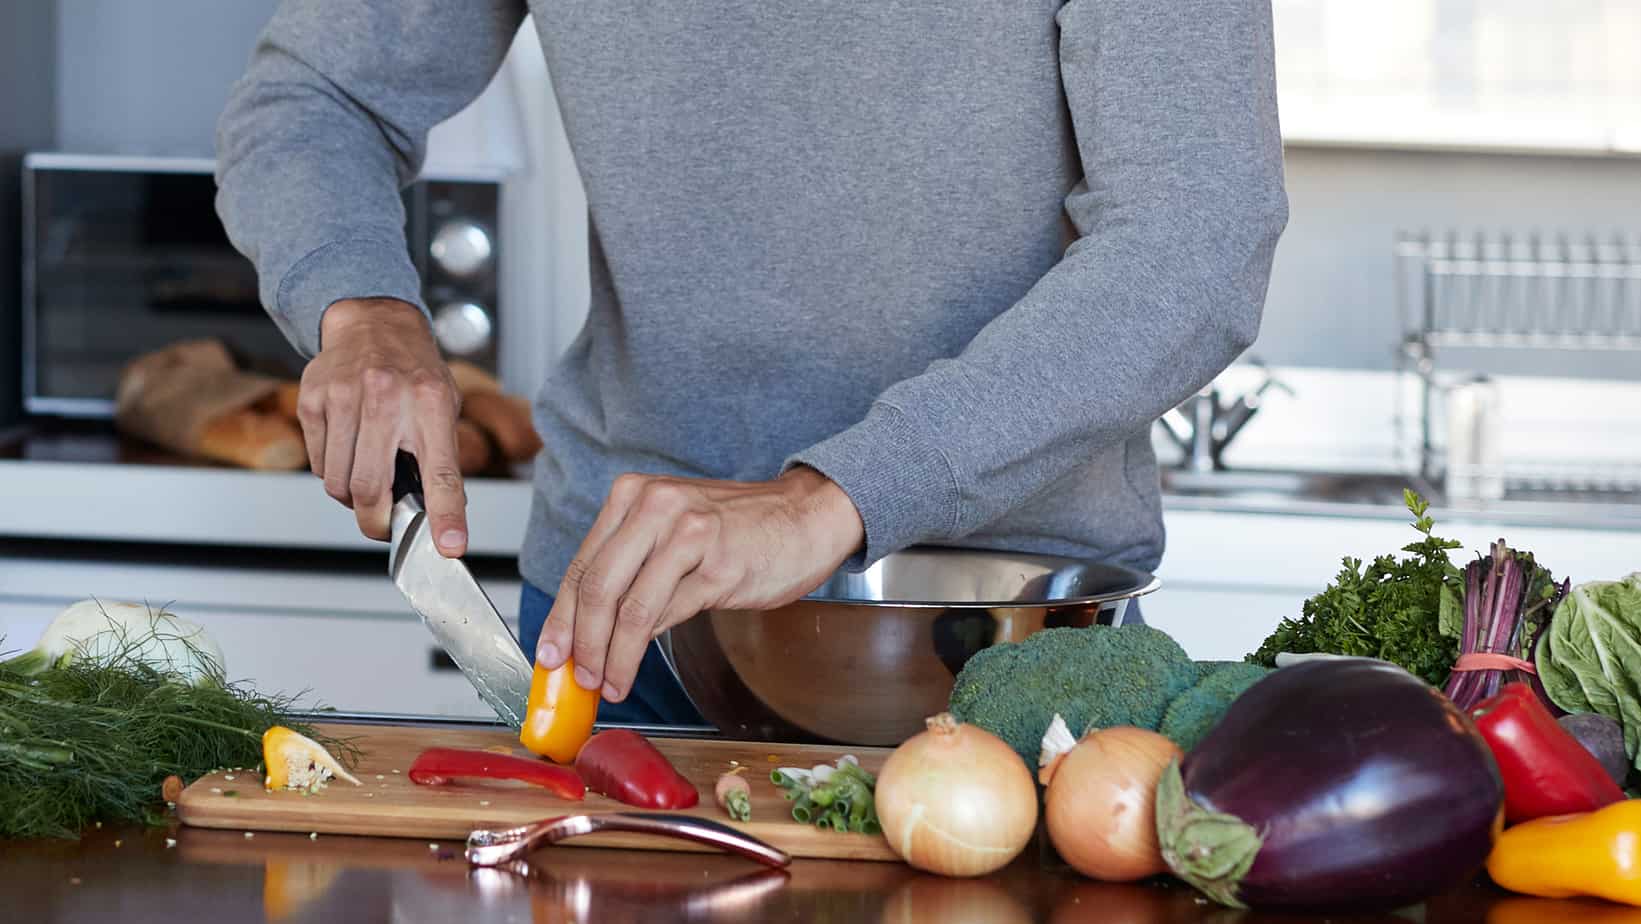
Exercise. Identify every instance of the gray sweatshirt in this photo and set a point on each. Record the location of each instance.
(957, 256)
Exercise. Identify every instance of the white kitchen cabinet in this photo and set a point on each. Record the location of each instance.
(356, 662)
(331, 623)
(1220, 622)
(338, 637)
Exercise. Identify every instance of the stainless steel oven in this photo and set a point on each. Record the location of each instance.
(122, 255)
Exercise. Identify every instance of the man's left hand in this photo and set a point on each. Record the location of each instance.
(664, 549)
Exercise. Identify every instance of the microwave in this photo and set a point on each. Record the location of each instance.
(125, 255)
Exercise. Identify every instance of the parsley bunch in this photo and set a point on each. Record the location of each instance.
(1403, 611)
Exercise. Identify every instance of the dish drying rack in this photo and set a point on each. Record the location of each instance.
(1528, 294)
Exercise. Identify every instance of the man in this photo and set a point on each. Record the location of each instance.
(864, 275)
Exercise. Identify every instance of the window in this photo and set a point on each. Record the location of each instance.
(1529, 74)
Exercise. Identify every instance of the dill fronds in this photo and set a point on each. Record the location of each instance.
(94, 740)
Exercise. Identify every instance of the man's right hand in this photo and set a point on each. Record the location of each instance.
(379, 385)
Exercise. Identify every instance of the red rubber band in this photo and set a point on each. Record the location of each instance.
(1492, 661)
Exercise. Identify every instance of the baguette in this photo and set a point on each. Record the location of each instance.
(506, 419)
(472, 448)
(254, 439)
(470, 379)
(284, 400)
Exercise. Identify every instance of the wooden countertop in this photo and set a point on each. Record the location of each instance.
(131, 874)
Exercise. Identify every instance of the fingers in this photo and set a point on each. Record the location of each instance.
(638, 617)
(558, 634)
(371, 481)
(378, 385)
(604, 586)
(341, 433)
(310, 413)
(696, 592)
(437, 455)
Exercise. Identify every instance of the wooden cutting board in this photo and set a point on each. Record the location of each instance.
(389, 805)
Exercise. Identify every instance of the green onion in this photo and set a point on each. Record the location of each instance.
(843, 802)
(803, 810)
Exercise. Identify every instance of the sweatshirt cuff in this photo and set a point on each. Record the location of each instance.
(900, 481)
(357, 268)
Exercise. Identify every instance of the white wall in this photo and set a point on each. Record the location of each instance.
(144, 77)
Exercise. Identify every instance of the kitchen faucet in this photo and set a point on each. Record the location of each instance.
(1202, 427)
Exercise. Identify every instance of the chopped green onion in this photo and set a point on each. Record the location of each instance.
(803, 810)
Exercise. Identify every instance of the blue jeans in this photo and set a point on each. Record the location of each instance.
(656, 697)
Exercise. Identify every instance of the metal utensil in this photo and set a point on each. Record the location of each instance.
(1473, 470)
(899, 632)
(452, 605)
(1203, 427)
(494, 848)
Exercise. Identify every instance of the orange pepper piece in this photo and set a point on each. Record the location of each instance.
(559, 716)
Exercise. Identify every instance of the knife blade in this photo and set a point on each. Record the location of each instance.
(452, 605)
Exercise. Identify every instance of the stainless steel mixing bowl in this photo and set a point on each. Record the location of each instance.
(868, 656)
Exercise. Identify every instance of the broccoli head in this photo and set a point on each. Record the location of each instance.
(1195, 712)
(1095, 678)
(1206, 669)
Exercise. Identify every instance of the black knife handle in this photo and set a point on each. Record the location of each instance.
(407, 476)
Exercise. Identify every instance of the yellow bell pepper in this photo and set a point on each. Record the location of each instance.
(558, 719)
(1595, 853)
(295, 761)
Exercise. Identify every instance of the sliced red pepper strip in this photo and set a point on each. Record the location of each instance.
(621, 764)
(1545, 770)
(438, 766)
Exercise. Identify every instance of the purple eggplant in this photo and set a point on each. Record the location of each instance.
(1339, 784)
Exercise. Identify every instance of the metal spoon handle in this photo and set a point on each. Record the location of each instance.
(686, 827)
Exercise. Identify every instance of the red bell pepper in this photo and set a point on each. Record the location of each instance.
(1545, 770)
(621, 764)
(437, 766)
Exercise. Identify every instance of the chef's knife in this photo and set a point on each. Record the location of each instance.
(452, 605)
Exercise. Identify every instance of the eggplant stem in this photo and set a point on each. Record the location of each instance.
(1210, 850)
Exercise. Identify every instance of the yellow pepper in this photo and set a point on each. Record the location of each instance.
(558, 719)
(295, 761)
(1595, 853)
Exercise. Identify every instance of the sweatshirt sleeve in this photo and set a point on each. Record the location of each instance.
(328, 125)
(1177, 217)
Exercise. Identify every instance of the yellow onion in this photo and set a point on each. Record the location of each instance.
(956, 800)
(1100, 807)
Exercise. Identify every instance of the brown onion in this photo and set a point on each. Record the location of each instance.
(1100, 807)
(956, 800)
